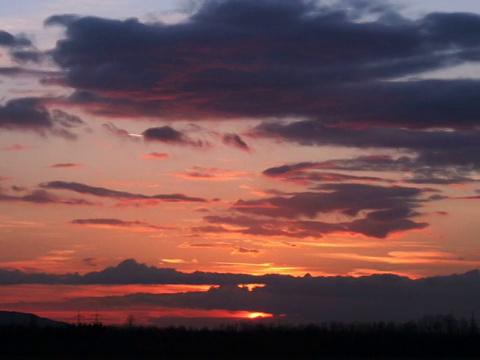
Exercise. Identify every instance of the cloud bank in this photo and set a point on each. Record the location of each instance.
(298, 299)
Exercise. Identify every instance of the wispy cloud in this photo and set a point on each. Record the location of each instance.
(115, 194)
(41, 196)
(155, 155)
(16, 147)
(210, 174)
(132, 225)
(236, 141)
(65, 165)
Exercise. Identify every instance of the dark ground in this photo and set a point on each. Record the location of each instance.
(440, 337)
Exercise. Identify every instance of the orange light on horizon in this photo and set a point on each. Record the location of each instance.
(258, 315)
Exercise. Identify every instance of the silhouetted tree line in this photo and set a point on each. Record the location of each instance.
(433, 337)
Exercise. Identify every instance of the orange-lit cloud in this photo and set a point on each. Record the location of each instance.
(179, 261)
(235, 249)
(155, 155)
(55, 261)
(407, 257)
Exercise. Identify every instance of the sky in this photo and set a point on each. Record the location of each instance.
(199, 162)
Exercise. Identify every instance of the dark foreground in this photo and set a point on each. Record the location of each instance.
(430, 338)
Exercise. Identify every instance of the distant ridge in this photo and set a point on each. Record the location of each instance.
(13, 318)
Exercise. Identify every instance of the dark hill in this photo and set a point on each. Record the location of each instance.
(12, 318)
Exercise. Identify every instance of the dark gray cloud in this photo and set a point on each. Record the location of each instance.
(316, 299)
(419, 169)
(305, 299)
(129, 272)
(348, 199)
(236, 141)
(41, 196)
(9, 40)
(31, 114)
(13, 71)
(119, 195)
(331, 65)
(25, 113)
(311, 132)
(371, 210)
(379, 224)
(117, 223)
(164, 134)
(291, 58)
(20, 48)
(65, 165)
(25, 56)
(307, 178)
(169, 135)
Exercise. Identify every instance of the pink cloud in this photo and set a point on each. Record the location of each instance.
(155, 155)
(17, 147)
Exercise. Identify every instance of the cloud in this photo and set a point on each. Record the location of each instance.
(16, 147)
(165, 134)
(290, 60)
(347, 199)
(25, 56)
(310, 177)
(210, 174)
(341, 95)
(374, 224)
(412, 169)
(41, 196)
(21, 50)
(360, 209)
(244, 251)
(295, 58)
(31, 114)
(24, 113)
(306, 299)
(179, 261)
(9, 40)
(235, 250)
(312, 132)
(155, 155)
(236, 141)
(65, 165)
(169, 135)
(134, 225)
(120, 133)
(119, 195)
(89, 261)
(44, 75)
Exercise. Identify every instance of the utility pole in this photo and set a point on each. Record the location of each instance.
(96, 318)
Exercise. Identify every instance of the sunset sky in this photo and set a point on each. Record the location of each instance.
(159, 156)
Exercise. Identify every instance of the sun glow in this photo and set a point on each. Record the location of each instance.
(258, 315)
